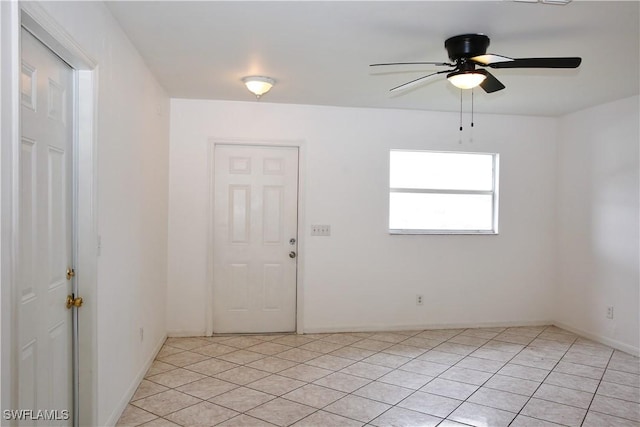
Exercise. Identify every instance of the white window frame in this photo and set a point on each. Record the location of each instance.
(493, 193)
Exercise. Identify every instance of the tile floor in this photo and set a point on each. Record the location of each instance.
(525, 376)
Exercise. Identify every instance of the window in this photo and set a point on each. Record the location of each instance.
(443, 192)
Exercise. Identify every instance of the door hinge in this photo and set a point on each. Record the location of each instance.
(73, 301)
(70, 273)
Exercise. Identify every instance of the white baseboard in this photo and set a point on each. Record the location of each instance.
(126, 398)
(415, 327)
(182, 334)
(600, 338)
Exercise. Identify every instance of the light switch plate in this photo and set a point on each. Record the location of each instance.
(321, 230)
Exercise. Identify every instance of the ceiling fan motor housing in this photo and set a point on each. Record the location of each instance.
(466, 46)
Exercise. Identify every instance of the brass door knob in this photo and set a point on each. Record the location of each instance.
(74, 302)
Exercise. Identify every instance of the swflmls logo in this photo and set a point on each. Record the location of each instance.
(32, 415)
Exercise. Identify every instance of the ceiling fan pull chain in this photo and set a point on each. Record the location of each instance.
(471, 107)
(460, 110)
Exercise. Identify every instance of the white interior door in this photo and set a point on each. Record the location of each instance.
(45, 234)
(255, 238)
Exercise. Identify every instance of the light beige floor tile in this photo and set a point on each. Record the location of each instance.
(523, 372)
(293, 340)
(561, 337)
(386, 359)
(504, 347)
(203, 414)
(342, 382)
(554, 412)
(353, 353)
(133, 416)
(482, 416)
(166, 402)
(243, 342)
(245, 421)
(405, 379)
(550, 344)
(579, 370)
(299, 355)
(321, 346)
(596, 419)
(463, 375)
(388, 337)
(499, 399)
(431, 404)
(211, 367)
(481, 333)
(305, 373)
(344, 339)
(272, 364)
(567, 396)
(448, 388)
(269, 348)
(242, 375)
(176, 378)
(461, 349)
(328, 361)
(241, 357)
(281, 412)
(276, 384)
(168, 351)
(357, 408)
(585, 359)
(423, 367)
(214, 350)
(207, 388)
(160, 422)
(366, 370)
(469, 340)
(404, 350)
(625, 362)
(314, 395)
(183, 358)
(572, 381)
(619, 377)
(242, 399)
(514, 338)
(491, 354)
(373, 345)
(326, 419)
(401, 417)
(440, 357)
(186, 343)
(158, 367)
(616, 407)
(148, 388)
(422, 343)
(524, 421)
(478, 364)
(512, 385)
(451, 423)
(382, 392)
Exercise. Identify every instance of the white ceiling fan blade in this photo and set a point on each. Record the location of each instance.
(490, 58)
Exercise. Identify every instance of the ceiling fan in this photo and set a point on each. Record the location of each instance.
(467, 52)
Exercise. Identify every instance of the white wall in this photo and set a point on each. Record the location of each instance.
(132, 143)
(598, 217)
(361, 277)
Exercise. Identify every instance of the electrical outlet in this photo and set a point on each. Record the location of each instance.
(321, 230)
(610, 312)
(419, 300)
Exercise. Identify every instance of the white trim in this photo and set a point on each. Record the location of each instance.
(9, 137)
(184, 334)
(36, 20)
(600, 338)
(126, 398)
(424, 326)
(208, 300)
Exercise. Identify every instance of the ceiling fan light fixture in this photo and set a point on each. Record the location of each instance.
(258, 85)
(467, 79)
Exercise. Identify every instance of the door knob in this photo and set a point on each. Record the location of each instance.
(292, 254)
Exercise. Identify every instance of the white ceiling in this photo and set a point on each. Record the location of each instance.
(319, 51)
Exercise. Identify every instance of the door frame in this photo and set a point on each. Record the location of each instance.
(33, 17)
(301, 146)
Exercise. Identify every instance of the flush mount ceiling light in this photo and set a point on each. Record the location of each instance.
(467, 79)
(258, 85)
